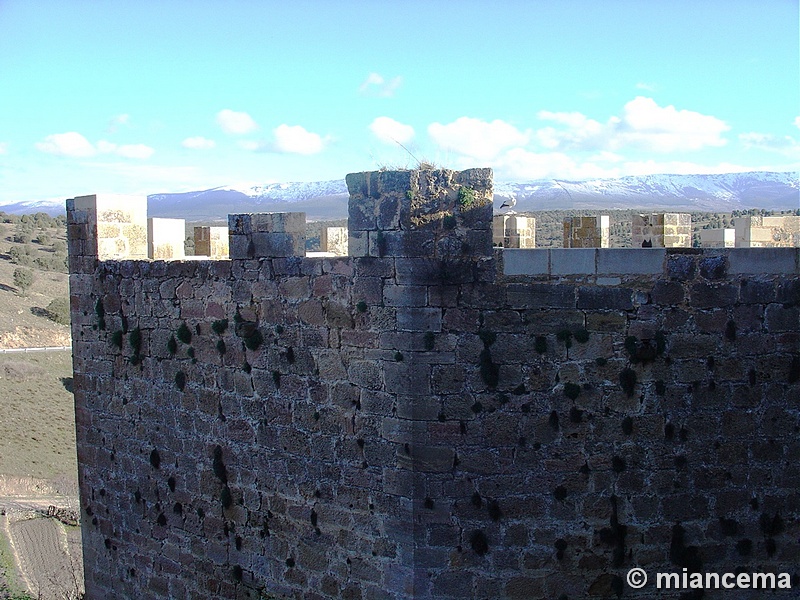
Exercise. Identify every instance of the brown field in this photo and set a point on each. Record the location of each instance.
(37, 429)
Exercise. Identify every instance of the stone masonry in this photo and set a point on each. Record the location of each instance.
(117, 225)
(718, 238)
(662, 230)
(586, 232)
(767, 232)
(211, 242)
(513, 231)
(432, 418)
(334, 240)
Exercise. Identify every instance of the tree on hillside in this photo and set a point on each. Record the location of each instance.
(58, 311)
(23, 279)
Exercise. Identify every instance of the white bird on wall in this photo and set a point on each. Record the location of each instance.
(509, 204)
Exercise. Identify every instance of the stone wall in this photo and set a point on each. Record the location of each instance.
(212, 242)
(767, 232)
(334, 240)
(116, 224)
(718, 238)
(513, 231)
(586, 232)
(662, 230)
(432, 418)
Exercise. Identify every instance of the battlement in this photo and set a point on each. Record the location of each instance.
(430, 417)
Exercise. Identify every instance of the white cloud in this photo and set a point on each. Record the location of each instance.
(643, 124)
(521, 164)
(70, 144)
(666, 129)
(198, 143)
(648, 87)
(475, 138)
(288, 139)
(652, 167)
(74, 145)
(294, 139)
(3, 147)
(235, 123)
(771, 143)
(797, 122)
(140, 151)
(376, 85)
(579, 132)
(388, 130)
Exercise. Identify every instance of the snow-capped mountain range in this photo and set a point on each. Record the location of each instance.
(328, 199)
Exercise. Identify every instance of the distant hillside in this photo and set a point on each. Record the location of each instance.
(326, 200)
(715, 193)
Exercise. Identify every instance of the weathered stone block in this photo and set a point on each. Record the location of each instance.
(512, 231)
(707, 295)
(764, 260)
(266, 235)
(754, 291)
(572, 261)
(427, 459)
(526, 262)
(213, 242)
(436, 213)
(334, 239)
(780, 318)
(605, 298)
(630, 261)
(419, 319)
(667, 292)
(405, 295)
(116, 224)
(541, 295)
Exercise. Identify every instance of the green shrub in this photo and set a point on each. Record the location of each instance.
(466, 197)
(23, 279)
(58, 311)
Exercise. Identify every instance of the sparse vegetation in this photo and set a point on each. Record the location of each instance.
(23, 279)
(58, 310)
(466, 197)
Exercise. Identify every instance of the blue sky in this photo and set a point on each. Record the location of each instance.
(147, 96)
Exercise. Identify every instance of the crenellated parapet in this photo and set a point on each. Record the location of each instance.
(429, 417)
